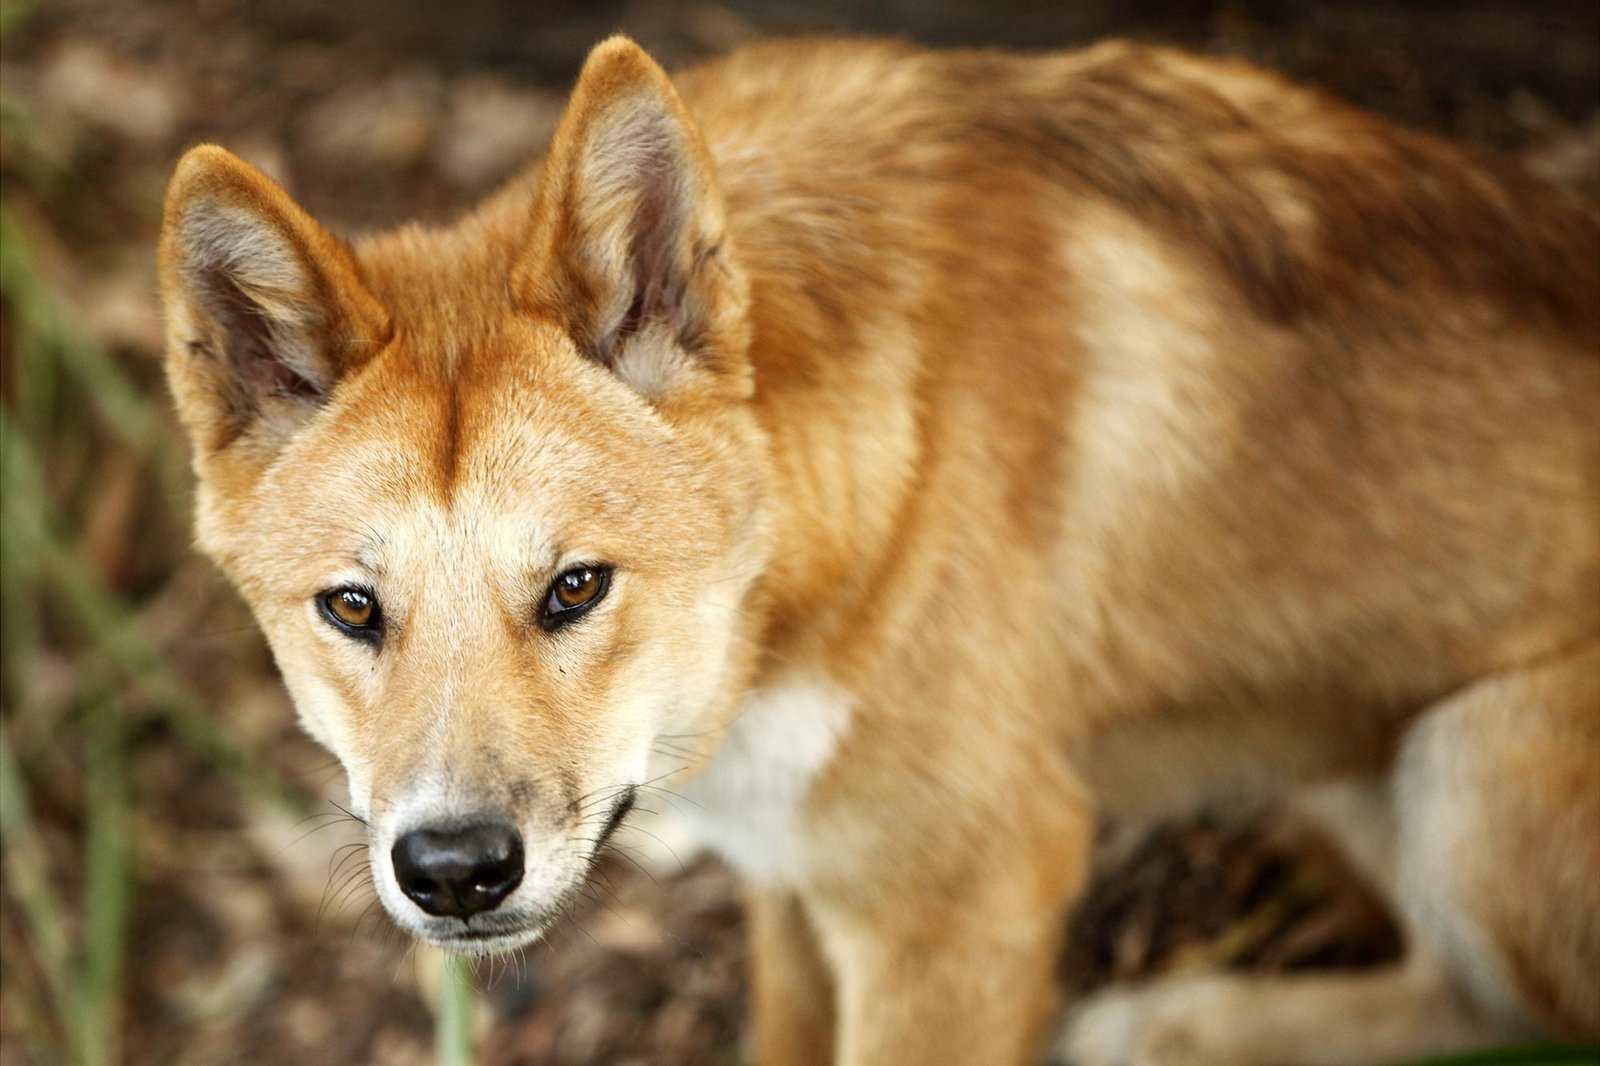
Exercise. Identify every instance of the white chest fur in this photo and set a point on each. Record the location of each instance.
(748, 801)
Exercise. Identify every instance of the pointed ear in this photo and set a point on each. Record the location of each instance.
(627, 247)
(265, 309)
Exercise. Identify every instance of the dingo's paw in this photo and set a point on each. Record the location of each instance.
(1167, 1023)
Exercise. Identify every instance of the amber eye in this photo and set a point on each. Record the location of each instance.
(572, 593)
(353, 610)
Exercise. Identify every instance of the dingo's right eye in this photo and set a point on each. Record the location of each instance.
(572, 593)
(353, 610)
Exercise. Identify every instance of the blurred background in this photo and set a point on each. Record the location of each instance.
(179, 885)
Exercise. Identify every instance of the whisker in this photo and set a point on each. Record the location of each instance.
(353, 817)
(682, 867)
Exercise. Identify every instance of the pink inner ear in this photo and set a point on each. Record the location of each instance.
(265, 375)
(252, 344)
(658, 229)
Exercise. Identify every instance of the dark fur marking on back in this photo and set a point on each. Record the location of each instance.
(1387, 210)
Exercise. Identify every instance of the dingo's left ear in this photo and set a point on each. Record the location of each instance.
(265, 308)
(627, 244)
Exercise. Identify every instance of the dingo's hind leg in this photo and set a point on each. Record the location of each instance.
(1495, 872)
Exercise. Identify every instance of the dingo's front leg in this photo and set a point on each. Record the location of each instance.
(793, 991)
(953, 965)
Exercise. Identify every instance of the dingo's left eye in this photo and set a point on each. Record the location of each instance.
(353, 610)
(572, 593)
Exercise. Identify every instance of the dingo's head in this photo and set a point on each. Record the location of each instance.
(491, 490)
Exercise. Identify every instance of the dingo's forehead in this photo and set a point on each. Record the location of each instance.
(474, 426)
(515, 453)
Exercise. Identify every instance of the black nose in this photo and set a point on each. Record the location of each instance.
(459, 872)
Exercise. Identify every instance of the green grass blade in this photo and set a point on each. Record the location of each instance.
(453, 1037)
(27, 873)
(113, 629)
(31, 1017)
(108, 901)
(1526, 1055)
(19, 580)
(14, 13)
(43, 323)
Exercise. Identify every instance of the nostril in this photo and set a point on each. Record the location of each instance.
(459, 872)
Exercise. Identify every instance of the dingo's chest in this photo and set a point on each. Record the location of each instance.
(747, 803)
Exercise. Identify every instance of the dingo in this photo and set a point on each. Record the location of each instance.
(945, 448)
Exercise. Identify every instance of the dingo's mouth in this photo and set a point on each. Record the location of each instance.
(505, 933)
(497, 929)
(488, 942)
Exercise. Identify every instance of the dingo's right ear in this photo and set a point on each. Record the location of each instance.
(265, 309)
(627, 247)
